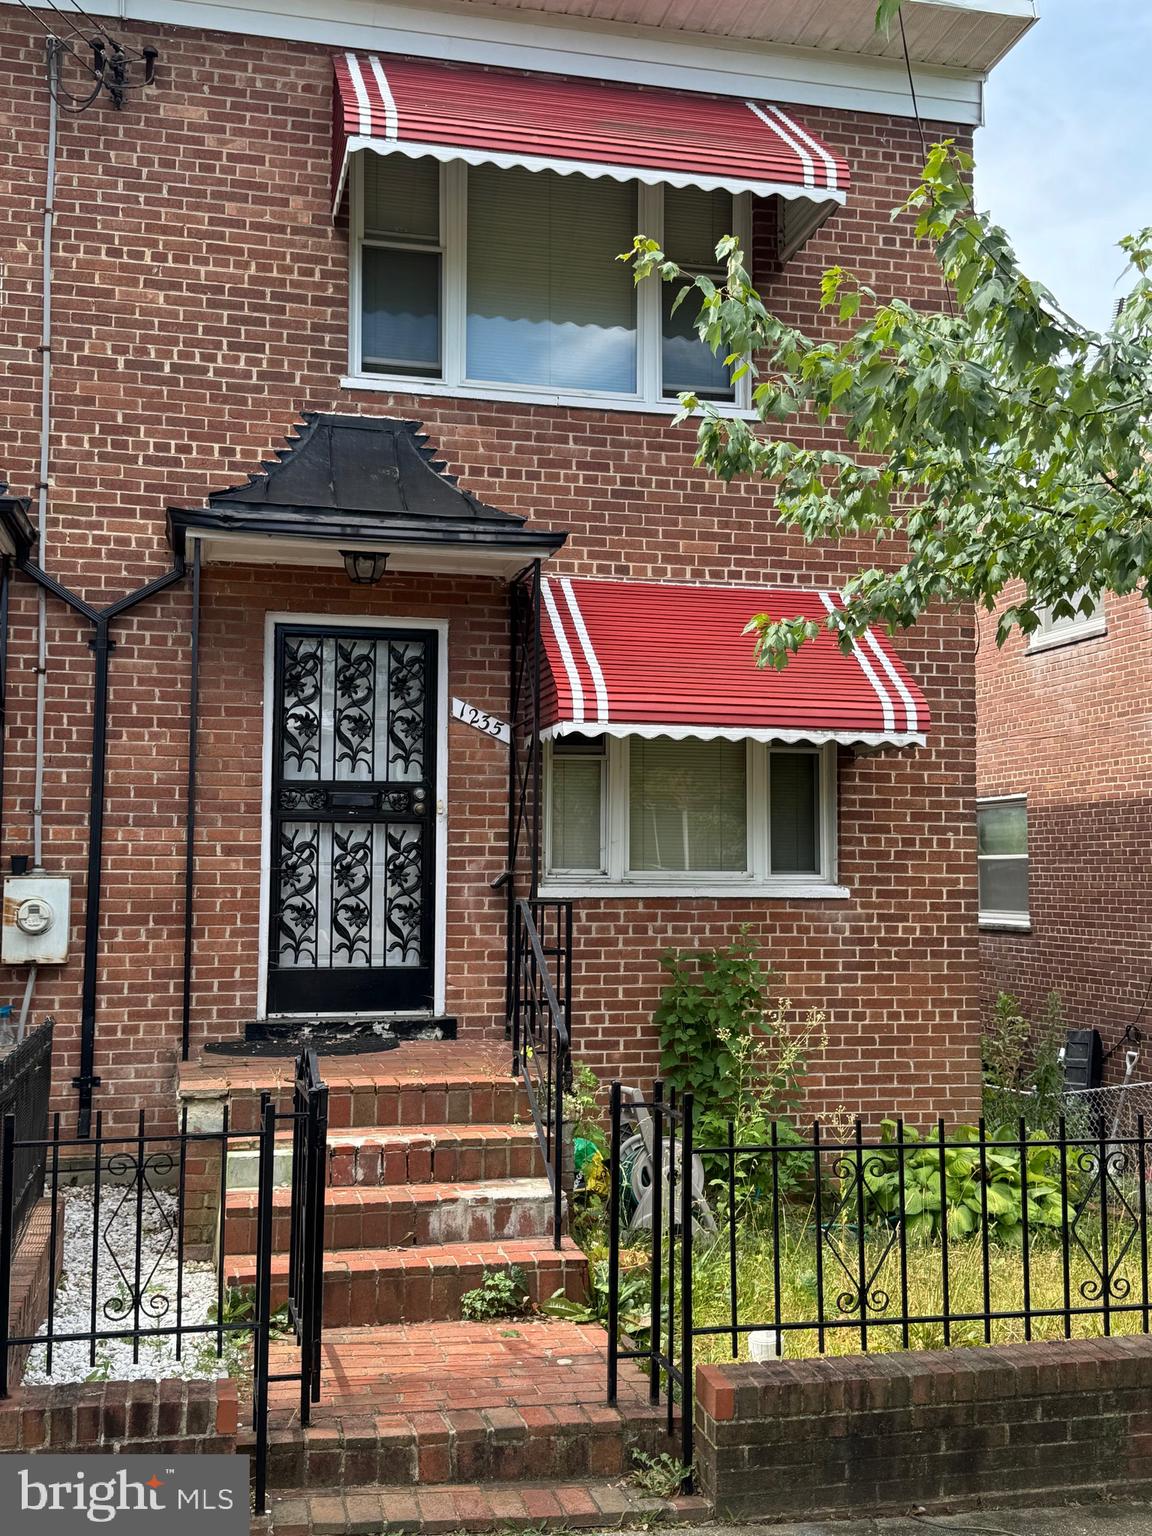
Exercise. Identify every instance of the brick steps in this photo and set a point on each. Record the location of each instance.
(460, 1402)
(416, 1285)
(403, 1215)
(418, 1085)
(430, 1154)
(433, 1510)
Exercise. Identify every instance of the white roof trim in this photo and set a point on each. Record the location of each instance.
(821, 197)
(846, 738)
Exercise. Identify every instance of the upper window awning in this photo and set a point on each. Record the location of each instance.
(598, 128)
(657, 659)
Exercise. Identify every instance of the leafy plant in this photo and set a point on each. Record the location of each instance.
(970, 1183)
(1023, 1069)
(660, 1476)
(582, 1107)
(728, 1041)
(635, 1295)
(501, 1293)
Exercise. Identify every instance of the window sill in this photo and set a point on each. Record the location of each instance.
(621, 890)
(385, 385)
(991, 922)
(1090, 631)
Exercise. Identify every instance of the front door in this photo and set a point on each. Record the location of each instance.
(353, 798)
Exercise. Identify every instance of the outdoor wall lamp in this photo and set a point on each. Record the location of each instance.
(363, 567)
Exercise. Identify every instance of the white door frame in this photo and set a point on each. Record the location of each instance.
(439, 627)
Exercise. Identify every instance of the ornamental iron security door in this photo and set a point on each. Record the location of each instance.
(353, 787)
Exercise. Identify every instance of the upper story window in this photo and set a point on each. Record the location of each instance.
(1002, 855)
(1088, 619)
(689, 816)
(508, 282)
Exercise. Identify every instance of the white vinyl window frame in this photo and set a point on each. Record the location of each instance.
(991, 917)
(1055, 631)
(757, 880)
(453, 248)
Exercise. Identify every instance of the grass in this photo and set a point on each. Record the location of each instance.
(799, 1289)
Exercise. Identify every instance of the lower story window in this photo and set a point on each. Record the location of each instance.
(1002, 855)
(683, 814)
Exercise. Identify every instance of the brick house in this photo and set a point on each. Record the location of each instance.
(311, 233)
(1062, 773)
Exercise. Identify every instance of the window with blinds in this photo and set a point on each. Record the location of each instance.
(508, 282)
(694, 222)
(636, 811)
(577, 811)
(548, 303)
(688, 805)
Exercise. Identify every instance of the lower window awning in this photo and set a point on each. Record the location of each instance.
(659, 659)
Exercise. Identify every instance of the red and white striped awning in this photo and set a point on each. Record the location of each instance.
(656, 659)
(484, 116)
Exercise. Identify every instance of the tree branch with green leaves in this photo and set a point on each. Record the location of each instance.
(996, 441)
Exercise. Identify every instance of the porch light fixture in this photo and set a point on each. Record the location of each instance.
(363, 567)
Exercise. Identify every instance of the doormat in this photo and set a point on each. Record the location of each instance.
(331, 1037)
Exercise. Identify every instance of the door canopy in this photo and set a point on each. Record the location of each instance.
(367, 483)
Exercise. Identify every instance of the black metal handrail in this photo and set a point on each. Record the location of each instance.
(25, 1088)
(306, 1234)
(867, 1215)
(542, 1029)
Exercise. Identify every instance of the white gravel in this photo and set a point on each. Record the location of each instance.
(116, 1264)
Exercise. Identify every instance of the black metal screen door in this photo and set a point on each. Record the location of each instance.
(353, 787)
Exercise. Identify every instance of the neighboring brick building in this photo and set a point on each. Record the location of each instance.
(201, 303)
(1064, 761)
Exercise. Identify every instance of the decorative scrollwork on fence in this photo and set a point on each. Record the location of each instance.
(862, 1294)
(135, 1295)
(1104, 1224)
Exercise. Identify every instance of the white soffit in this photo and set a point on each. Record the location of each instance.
(840, 64)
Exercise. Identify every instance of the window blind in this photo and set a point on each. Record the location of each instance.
(794, 823)
(694, 221)
(688, 805)
(401, 197)
(548, 303)
(577, 789)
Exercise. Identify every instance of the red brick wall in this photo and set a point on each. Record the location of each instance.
(201, 294)
(1023, 1425)
(1071, 728)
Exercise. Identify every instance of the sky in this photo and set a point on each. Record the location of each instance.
(1065, 159)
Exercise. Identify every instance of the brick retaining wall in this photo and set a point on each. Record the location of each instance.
(126, 1416)
(1025, 1424)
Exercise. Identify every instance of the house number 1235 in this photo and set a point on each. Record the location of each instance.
(480, 720)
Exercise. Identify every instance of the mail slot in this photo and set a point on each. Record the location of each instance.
(352, 799)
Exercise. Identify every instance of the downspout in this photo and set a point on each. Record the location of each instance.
(53, 64)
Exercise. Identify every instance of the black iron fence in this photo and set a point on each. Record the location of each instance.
(542, 1028)
(818, 1242)
(25, 1085)
(164, 1262)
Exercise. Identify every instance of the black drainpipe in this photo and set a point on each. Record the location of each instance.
(102, 646)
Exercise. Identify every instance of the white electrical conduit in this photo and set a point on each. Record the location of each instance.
(42, 494)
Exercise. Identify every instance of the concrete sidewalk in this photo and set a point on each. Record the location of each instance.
(1079, 1520)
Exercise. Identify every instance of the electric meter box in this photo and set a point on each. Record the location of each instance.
(37, 919)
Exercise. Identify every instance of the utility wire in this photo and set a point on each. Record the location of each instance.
(1069, 323)
(115, 41)
(61, 42)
